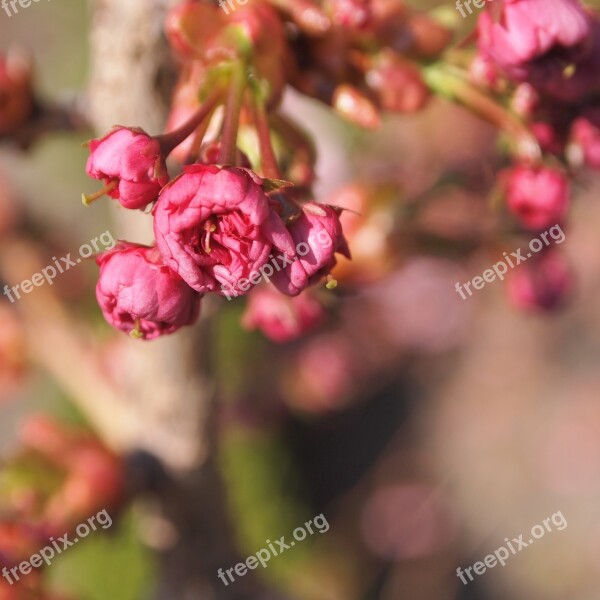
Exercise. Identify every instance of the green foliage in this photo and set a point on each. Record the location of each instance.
(107, 564)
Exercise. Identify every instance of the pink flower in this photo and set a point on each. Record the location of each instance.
(138, 294)
(541, 284)
(215, 227)
(538, 197)
(279, 317)
(585, 135)
(131, 164)
(318, 235)
(531, 36)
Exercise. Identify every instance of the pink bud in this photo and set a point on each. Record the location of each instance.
(279, 317)
(528, 30)
(356, 106)
(544, 283)
(317, 235)
(131, 164)
(140, 295)
(398, 83)
(538, 197)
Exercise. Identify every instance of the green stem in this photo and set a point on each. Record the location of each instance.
(235, 98)
(267, 154)
(451, 83)
(169, 141)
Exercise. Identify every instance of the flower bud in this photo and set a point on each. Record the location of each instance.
(355, 106)
(132, 165)
(140, 295)
(319, 233)
(538, 197)
(543, 283)
(189, 23)
(398, 84)
(430, 38)
(279, 317)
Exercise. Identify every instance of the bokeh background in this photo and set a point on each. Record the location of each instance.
(427, 429)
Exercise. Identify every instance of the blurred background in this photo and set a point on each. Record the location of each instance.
(425, 428)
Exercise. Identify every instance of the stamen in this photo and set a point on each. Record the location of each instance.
(331, 282)
(87, 199)
(569, 71)
(209, 228)
(136, 333)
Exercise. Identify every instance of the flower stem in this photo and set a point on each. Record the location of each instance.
(199, 135)
(267, 154)
(235, 98)
(169, 141)
(450, 82)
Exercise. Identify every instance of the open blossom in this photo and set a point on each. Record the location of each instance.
(140, 295)
(538, 197)
(131, 164)
(534, 40)
(215, 226)
(319, 233)
(280, 317)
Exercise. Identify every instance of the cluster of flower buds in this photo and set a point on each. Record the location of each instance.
(363, 57)
(544, 59)
(231, 219)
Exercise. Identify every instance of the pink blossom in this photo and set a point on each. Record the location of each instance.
(538, 197)
(131, 164)
(140, 295)
(318, 235)
(279, 317)
(533, 40)
(215, 227)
